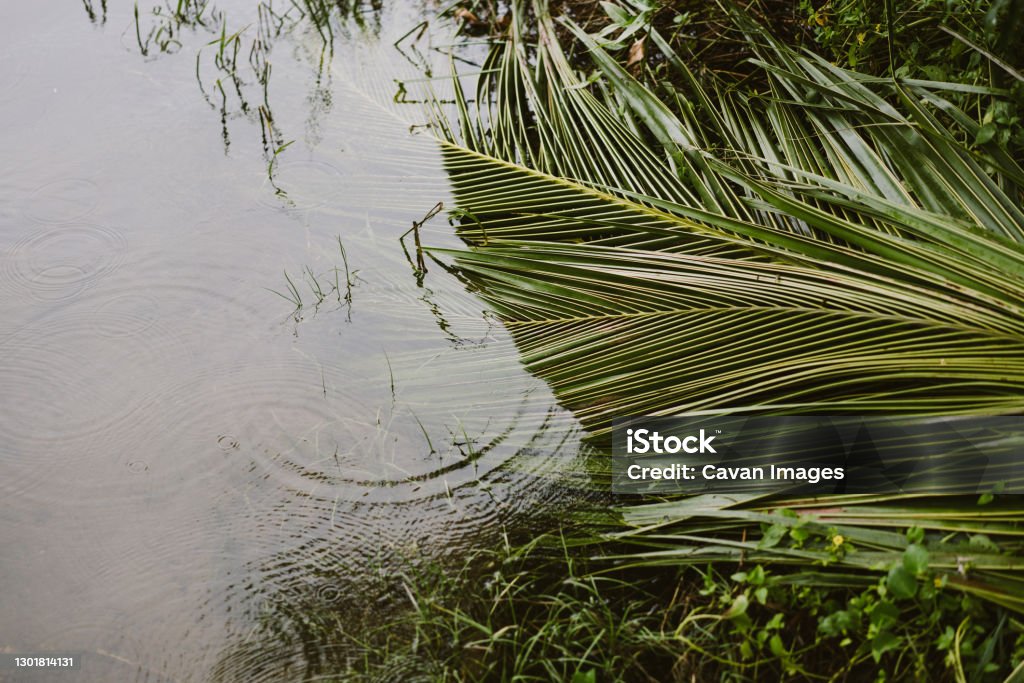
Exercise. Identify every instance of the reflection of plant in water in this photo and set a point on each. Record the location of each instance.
(234, 68)
(350, 276)
(316, 611)
(164, 24)
(90, 10)
(304, 626)
(273, 161)
(419, 268)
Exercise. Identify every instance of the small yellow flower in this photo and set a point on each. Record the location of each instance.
(937, 582)
(860, 37)
(837, 540)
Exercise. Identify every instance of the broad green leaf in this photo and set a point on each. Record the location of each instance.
(901, 582)
(915, 559)
(882, 643)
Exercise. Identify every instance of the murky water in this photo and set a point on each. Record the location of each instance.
(193, 472)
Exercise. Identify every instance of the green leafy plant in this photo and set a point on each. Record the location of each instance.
(545, 611)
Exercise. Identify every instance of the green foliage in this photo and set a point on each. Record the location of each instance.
(759, 254)
(513, 613)
(973, 48)
(855, 33)
(544, 612)
(907, 622)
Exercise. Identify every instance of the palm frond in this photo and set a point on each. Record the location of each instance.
(709, 277)
(824, 246)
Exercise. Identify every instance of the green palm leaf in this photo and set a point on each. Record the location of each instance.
(824, 245)
(806, 265)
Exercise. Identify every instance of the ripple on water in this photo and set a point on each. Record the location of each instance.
(109, 382)
(15, 67)
(325, 432)
(126, 314)
(62, 201)
(302, 185)
(354, 567)
(71, 391)
(59, 263)
(295, 421)
(108, 652)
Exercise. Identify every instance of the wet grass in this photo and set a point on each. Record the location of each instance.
(549, 610)
(337, 283)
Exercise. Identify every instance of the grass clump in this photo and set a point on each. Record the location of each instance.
(974, 46)
(545, 611)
